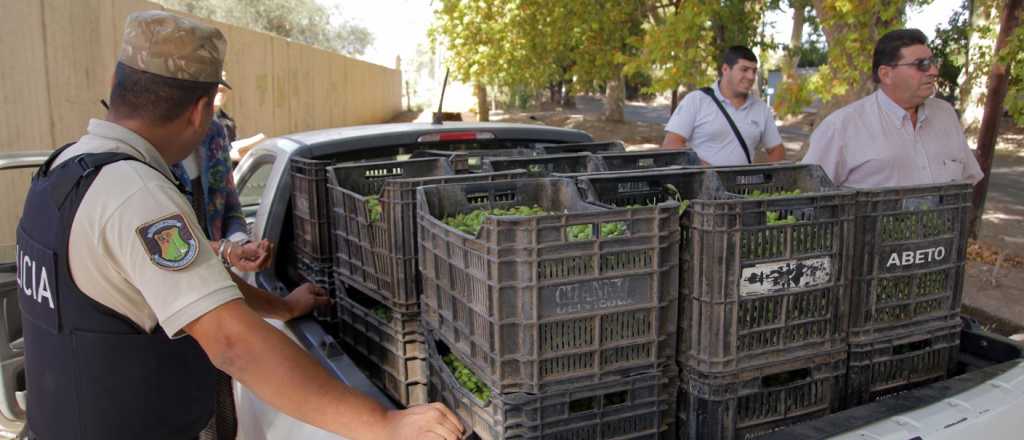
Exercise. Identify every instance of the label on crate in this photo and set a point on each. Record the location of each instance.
(921, 256)
(589, 296)
(794, 274)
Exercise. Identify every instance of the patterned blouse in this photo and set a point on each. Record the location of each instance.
(223, 210)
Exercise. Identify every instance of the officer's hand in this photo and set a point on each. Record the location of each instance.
(251, 257)
(304, 298)
(432, 421)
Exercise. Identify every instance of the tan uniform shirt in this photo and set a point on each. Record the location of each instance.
(872, 143)
(109, 259)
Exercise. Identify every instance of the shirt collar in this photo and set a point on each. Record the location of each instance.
(721, 97)
(146, 151)
(897, 113)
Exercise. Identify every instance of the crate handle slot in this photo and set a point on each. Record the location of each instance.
(912, 347)
(476, 198)
(582, 405)
(645, 162)
(785, 378)
(616, 398)
(505, 196)
(382, 173)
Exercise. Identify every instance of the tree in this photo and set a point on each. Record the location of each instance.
(998, 82)
(950, 45)
(303, 21)
(852, 27)
(683, 39)
(791, 97)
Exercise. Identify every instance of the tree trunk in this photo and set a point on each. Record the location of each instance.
(675, 101)
(997, 85)
(483, 110)
(984, 16)
(568, 97)
(796, 39)
(836, 32)
(615, 99)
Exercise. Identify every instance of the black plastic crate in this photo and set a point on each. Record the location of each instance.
(532, 310)
(378, 256)
(466, 161)
(547, 166)
(643, 160)
(637, 407)
(761, 292)
(909, 258)
(758, 401)
(316, 270)
(891, 365)
(587, 147)
(390, 341)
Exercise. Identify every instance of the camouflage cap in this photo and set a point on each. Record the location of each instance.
(174, 47)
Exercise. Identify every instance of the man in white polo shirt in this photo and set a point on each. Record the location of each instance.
(900, 135)
(727, 132)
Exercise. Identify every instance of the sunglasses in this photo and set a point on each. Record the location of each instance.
(922, 64)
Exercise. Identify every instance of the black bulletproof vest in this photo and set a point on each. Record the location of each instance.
(93, 374)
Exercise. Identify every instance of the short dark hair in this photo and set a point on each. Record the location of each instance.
(887, 50)
(152, 97)
(734, 54)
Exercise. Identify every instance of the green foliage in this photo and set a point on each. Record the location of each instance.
(950, 45)
(681, 43)
(1013, 56)
(382, 313)
(373, 204)
(467, 379)
(470, 222)
(758, 194)
(303, 21)
(775, 218)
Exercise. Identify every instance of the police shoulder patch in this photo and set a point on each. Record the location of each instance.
(169, 242)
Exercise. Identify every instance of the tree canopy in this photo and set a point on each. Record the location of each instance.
(304, 21)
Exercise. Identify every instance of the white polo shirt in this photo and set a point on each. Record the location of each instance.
(872, 143)
(707, 132)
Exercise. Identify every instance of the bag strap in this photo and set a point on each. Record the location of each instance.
(736, 131)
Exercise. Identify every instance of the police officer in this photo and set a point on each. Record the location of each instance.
(127, 310)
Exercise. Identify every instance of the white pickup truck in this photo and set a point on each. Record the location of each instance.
(985, 401)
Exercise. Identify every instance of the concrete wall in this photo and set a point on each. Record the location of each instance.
(57, 58)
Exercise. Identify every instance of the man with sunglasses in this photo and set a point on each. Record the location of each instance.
(900, 135)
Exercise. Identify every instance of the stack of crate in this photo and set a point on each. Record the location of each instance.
(373, 224)
(557, 326)
(763, 292)
(907, 288)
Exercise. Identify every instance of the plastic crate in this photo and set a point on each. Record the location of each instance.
(316, 270)
(390, 341)
(466, 161)
(588, 147)
(638, 407)
(547, 166)
(757, 293)
(909, 259)
(759, 401)
(309, 192)
(532, 310)
(891, 365)
(379, 257)
(642, 160)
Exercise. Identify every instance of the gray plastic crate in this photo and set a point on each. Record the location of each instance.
(758, 401)
(547, 166)
(637, 407)
(467, 161)
(643, 160)
(531, 310)
(310, 219)
(379, 257)
(761, 293)
(891, 365)
(587, 147)
(911, 247)
(390, 341)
